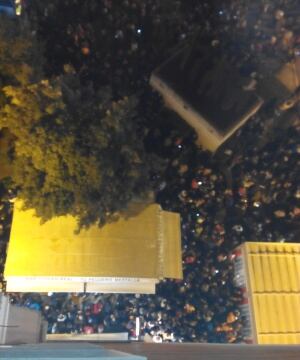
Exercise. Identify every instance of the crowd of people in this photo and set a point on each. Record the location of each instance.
(256, 197)
(252, 194)
(122, 43)
(247, 192)
(266, 32)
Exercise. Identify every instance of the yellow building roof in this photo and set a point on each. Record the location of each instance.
(274, 283)
(146, 245)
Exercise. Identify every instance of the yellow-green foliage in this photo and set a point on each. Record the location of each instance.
(17, 49)
(75, 152)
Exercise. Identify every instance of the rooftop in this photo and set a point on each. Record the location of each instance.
(208, 81)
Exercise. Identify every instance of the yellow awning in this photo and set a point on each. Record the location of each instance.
(146, 245)
(274, 281)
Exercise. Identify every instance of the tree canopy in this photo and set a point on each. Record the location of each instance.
(76, 151)
(20, 57)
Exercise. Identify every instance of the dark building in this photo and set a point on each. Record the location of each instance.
(204, 87)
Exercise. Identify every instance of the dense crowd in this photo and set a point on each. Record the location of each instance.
(257, 198)
(252, 195)
(266, 33)
(122, 43)
(247, 192)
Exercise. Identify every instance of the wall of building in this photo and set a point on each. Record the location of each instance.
(208, 137)
(208, 351)
(18, 325)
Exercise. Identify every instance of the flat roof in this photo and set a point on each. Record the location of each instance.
(146, 245)
(205, 78)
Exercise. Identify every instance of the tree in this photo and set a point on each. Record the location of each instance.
(20, 55)
(76, 151)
